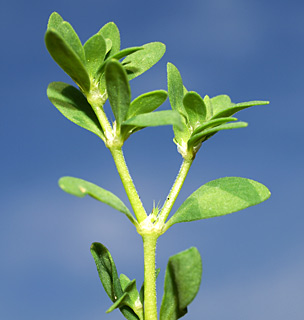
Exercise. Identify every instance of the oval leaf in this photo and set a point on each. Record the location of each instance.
(147, 102)
(110, 32)
(74, 106)
(67, 59)
(182, 282)
(142, 60)
(118, 90)
(54, 20)
(81, 188)
(195, 108)
(220, 197)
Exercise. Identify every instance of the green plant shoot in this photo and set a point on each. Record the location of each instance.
(101, 71)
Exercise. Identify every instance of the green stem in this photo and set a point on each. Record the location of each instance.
(178, 183)
(150, 304)
(128, 184)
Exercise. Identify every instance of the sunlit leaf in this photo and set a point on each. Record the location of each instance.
(110, 31)
(74, 106)
(54, 20)
(195, 108)
(142, 60)
(118, 90)
(220, 197)
(182, 282)
(212, 123)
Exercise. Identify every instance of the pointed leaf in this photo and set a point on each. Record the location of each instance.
(54, 20)
(95, 51)
(142, 60)
(204, 135)
(81, 188)
(234, 108)
(111, 32)
(182, 282)
(154, 119)
(74, 106)
(220, 197)
(212, 123)
(67, 58)
(118, 89)
(147, 102)
(195, 108)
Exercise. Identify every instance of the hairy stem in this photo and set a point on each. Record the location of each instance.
(178, 183)
(128, 184)
(150, 305)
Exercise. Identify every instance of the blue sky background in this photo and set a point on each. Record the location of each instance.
(253, 260)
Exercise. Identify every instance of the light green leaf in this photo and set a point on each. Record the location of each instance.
(74, 106)
(234, 108)
(108, 276)
(95, 51)
(209, 107)
(54, 20)
(195, 108)
(147, 102)
(182, 282)
(220, 103)
(142, 60)
(212, 123)
(118, 90)
(81, 188)
(154, 119)
(111, 32)
(205, 134)
(67, 59)
(220, 197)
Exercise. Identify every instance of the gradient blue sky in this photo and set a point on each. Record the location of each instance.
(253, 260)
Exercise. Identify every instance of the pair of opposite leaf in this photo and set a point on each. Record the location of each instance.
(94, 67)
(182, 282)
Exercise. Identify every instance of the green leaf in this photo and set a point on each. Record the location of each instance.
(147, 102)
(74, 106)
(111, 32)
(231, 109)
(118, 89)
(81, 188)
(54, 20)
(212, 123)
(176, 92)
(67, 58)
(195, 108)
(95, 51)
(205, 134)
(142, 60)
(154, 119)
(182, 282)
(220, 197)
(209, 107)
(220, 103)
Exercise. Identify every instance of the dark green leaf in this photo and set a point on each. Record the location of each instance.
(54, 21)
(74, 106)
(212, 123)
(204, 135)
(111, 32)
(81, 188)
(95, 51)
(220, 197)
(147, 102)
(154, 119)
(118, 90)
(142, 60)
(182, 282)
(67, 59)
(195, 108)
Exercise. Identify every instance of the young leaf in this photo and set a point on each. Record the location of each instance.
(81, 188)
(195, 108)
(204, 135)
(154, 119)
(95, 51)
(67, 58)
(220, 103)
(212, 123)
(142, 60)
(182, 282)
(54, 20)
(118, 89)
(108, 276)
(234, 108)
(220, 197)
(147, 102)
(74, 106)
(111, 32)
